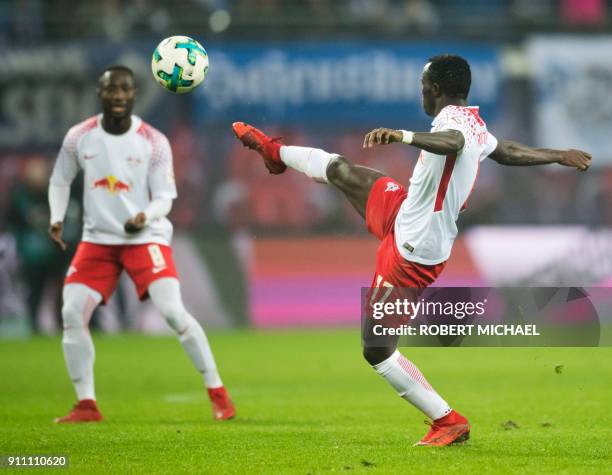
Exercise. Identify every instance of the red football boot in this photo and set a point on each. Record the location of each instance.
(450, 429)
(84, 411)
(222, 406)
(268, 148)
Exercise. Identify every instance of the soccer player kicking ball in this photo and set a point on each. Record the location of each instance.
(128, 191)
(416, 229)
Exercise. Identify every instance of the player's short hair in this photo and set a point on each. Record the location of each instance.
(452, 73)
(119, 68)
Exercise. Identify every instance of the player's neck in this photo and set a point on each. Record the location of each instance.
(450, 101)
(116, 126)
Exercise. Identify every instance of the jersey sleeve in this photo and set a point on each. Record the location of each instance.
(161, 172)
(66, 164)
(490, 146)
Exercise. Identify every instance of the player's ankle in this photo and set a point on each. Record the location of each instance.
(88, 403)
(451, 418)
(272, 150)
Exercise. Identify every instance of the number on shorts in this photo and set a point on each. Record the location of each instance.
(157, 256)
(385, 295)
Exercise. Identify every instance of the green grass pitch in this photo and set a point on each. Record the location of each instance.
(308, 403)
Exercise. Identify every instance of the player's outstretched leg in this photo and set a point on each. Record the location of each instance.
(354, 181)
(166, 296)
(79, 304)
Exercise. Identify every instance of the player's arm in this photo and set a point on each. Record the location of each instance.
(512, 153)
(64, 172)
(59, 196)
(444, 142)
(158, 208)
(162, 187)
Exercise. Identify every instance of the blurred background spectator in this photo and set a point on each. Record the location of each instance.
(43, 265)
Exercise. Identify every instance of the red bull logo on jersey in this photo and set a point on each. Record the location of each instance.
(112, 184)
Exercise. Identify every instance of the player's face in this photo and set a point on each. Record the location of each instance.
(428, 92)
(117, 92)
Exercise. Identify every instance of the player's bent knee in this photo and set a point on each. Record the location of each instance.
(171, 313)
(79, 302)
(166, 296)
(377, 355)
(72, 313)
(175, 315)
(177, 322)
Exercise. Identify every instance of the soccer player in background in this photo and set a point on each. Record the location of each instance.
(128, 191)
(416, 227)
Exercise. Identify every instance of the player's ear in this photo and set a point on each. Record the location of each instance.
(99, 88)
(435, 89)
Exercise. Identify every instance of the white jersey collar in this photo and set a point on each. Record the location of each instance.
(136, 122)
(474, 108)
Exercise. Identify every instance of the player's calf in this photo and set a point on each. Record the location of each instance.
(312, 162)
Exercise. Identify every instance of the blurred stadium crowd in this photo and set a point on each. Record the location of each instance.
(36, 21)
(223, 190)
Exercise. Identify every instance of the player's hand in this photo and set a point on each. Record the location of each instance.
(135, 224)
(381, 136)
(577, 159)
(55, 233)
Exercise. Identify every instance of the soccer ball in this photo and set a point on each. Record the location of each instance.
(179, 64)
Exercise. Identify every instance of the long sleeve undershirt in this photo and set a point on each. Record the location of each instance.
(59, 197)
(158, 208)
(58, 202)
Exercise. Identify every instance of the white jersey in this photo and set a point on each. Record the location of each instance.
(426, 224)
(122, 174)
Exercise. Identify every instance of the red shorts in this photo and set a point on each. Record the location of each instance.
(383, 205)
(99, 266)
